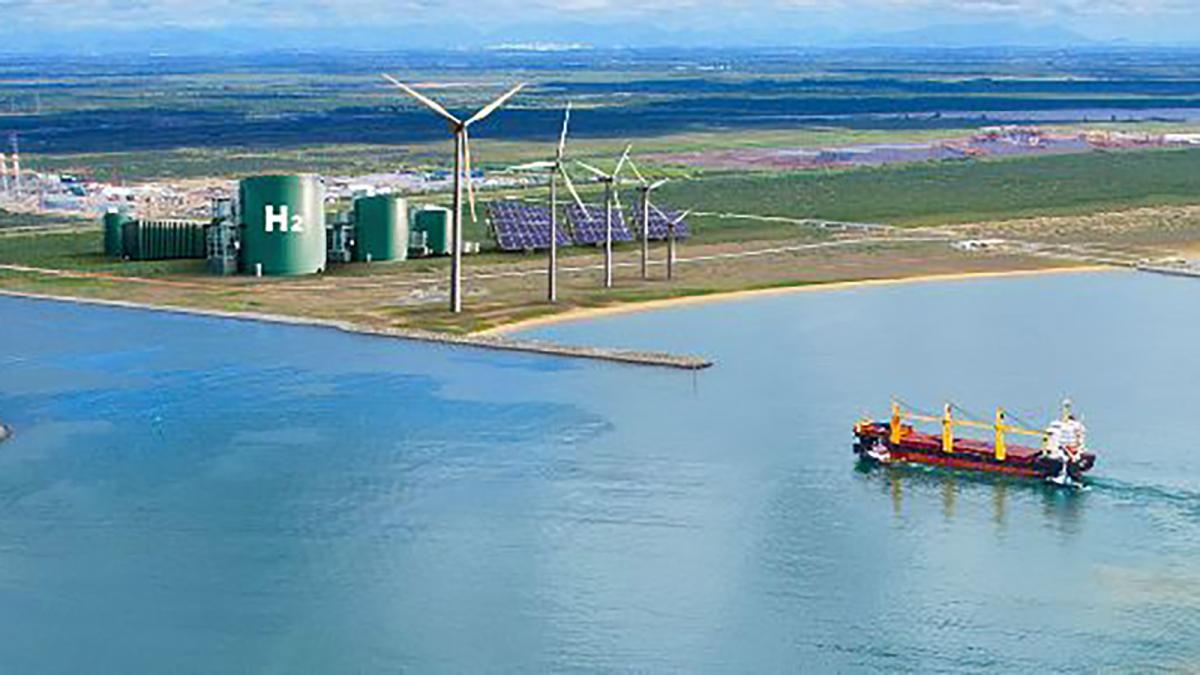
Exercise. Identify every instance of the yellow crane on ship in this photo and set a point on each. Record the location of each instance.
(999, 427)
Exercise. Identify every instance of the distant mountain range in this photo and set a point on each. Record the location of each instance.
(996, 34)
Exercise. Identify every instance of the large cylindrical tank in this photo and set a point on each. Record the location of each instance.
(113, 221)
(435, 221)
(283, 224)
(380, 228)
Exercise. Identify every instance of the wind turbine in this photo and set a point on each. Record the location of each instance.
(16, 163)
(462, 161)
(3, 173)
(610, 197)
(557, 168)
(671, 223)
(645, 187)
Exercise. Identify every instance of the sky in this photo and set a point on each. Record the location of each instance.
(380, 24)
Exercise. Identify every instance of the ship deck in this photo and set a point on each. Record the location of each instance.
(917, 440)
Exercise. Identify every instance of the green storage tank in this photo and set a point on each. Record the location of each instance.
(380, 228)
(283, 224)
(113, 222)
(435, 221)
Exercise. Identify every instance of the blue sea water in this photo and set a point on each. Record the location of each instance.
(198, 495)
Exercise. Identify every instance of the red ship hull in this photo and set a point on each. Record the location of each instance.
(873, 443)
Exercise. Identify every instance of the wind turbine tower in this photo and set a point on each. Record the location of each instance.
(610, 199)
(672, 223)
(16, 163)
(557, 167)
(462, 166)
(645, 187)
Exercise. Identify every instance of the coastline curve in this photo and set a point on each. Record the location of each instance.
(583, 314)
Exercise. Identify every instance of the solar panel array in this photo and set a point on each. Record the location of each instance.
(522, 227)
(658, 225)
(525, 227)
(589, 227)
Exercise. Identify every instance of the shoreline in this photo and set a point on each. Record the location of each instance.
(500, 338)
(583, 314)
(478, 341)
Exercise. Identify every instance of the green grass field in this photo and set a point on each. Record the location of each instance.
(10, 220)
(83, 250)
(954, 192)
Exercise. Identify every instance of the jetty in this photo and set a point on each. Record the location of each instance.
(501, 343)
(480, 341)
(1170, 270)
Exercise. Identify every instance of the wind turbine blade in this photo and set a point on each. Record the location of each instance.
(681, 217)
(491, 107)
(429, 103)
(470, 181)
(640, 177)
(617, 198)
(571, 187)
(621, 162)
(659, 212)
(562, 139)
(658, 184)
(593, 169)
(530, 166)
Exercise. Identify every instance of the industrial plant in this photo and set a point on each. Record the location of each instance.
(278, 226)
(288, 225)
(281, 225)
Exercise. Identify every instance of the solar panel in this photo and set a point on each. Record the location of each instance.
(659, 222)
(589, 227)
(523, 227)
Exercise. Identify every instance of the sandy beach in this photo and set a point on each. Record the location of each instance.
(598, 312)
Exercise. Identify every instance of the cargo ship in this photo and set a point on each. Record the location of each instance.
(1061, 456)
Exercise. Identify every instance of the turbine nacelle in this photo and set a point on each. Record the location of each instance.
(460, 128)
(462, 153)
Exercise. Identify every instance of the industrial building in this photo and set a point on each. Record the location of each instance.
(277, 226)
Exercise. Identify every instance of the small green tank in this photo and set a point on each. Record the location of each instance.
(435, 221)
(283, 225)
(380, 228)
(113, 221)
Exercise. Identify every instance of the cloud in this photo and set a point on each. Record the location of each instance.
(1104, 18)
(278, 12)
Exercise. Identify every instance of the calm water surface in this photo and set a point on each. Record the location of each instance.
(194, 495)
